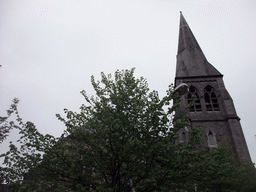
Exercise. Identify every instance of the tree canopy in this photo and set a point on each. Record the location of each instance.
(123, 139)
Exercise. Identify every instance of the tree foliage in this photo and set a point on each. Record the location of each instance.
(5, 125)
(123, 140)
(220, 170)
(26, 152)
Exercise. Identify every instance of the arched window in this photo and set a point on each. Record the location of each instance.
(210, 97)
(193, 94)
(211, 139)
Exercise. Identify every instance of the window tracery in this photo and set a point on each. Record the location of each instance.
(193, 94)
(211, 100)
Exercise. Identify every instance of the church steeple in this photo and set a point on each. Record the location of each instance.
(191, 61)
(213, 107)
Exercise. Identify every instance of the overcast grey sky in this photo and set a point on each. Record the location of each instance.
(50, 48)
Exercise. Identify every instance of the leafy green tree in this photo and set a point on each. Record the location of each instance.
(122, 140)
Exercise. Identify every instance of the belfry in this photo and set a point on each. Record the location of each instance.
(213, 107)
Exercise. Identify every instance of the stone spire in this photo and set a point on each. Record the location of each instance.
(191, 61)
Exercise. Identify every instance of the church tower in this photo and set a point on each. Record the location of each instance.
(213, 107)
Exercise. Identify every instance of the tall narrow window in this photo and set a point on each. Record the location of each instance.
(193, 94)
(211, 139)
(211, 101)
